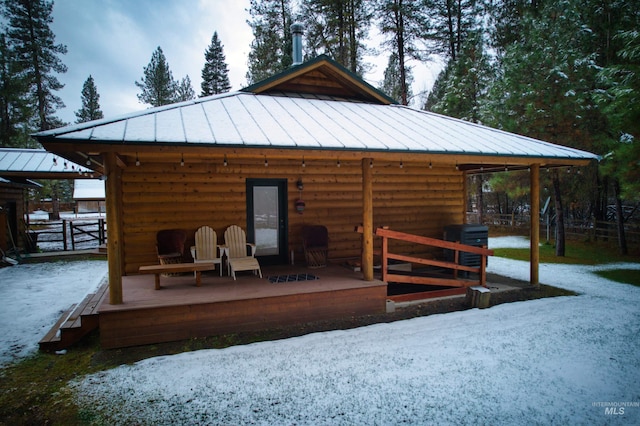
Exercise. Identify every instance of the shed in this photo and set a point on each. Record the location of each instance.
(316, 133)
(89, 195)
(19, 167)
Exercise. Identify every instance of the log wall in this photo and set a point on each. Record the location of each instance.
(159, 195)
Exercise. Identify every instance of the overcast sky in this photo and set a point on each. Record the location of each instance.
(112, 40)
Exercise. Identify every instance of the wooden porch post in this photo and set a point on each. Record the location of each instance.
(367, 219)
(113, 189)
(535, 225)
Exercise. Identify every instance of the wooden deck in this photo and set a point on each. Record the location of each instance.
(181, 310)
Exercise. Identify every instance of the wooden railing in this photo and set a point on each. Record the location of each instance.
(388, 234)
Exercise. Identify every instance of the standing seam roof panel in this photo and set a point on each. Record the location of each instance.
(195, 124)
(298, 134)
(350, 125)
(249, 131)
(169, 126)
(340, 137)
(304, 119)
(110, 132)
(142, 129)
(355, 115)
(268, 123)
(223, 128)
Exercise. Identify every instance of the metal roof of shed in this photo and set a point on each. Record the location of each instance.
(243, 119)
(38, 164)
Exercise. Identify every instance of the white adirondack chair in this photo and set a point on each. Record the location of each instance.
(206, 248)
(235, 240)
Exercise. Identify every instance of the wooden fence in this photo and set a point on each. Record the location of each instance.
(66, 234)
(583, 230)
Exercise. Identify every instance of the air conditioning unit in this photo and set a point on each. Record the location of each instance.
(471, 235)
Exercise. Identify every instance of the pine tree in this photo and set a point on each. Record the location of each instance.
(90, 109)
(184, 90)
(271, 49)
(215, 73)
(16, 114)
(404, 24)
(466, 82)
(37, 54)
(337, 28)
(391, 84)
(157, 84)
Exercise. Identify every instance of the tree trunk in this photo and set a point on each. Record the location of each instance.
(560, 237)
(55, 201)
(622, 240)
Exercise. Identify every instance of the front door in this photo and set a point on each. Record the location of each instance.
(267, 219)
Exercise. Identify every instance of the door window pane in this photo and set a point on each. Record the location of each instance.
(265, 220)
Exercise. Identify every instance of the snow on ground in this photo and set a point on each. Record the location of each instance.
(566, 360)
(35, 295)
(555, 361)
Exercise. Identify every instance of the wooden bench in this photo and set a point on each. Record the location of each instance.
(174, 268)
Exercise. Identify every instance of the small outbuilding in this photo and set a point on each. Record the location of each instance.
(19, 168)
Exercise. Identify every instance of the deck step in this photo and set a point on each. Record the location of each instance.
(75, 323)
(51, 340)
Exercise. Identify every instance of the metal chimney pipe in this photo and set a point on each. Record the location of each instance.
(297, 29)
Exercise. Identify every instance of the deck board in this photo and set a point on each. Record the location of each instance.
(180, 310)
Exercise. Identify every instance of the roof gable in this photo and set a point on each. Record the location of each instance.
(321, 76)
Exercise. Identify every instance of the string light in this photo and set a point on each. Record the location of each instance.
(182, 159)
(430, 165)
(338, 163)
(266, 162)
(137, 160)
(55, 161)
(225, 163)
(371, 164)
(401, 165)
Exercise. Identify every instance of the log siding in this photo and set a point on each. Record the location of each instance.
(162, 195)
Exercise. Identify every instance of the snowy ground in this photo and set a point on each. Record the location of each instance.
(568, 360)
(35, 295)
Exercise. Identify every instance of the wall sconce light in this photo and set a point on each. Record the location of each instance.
(300, 205)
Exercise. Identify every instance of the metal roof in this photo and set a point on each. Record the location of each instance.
(307, 122)
(88, 189)
(37, 164)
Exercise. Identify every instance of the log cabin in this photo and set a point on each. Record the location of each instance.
(313, 145)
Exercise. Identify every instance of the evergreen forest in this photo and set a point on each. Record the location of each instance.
(564, 71)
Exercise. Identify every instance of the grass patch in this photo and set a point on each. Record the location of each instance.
(625, 276)
(33, 390)
(576, 253)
